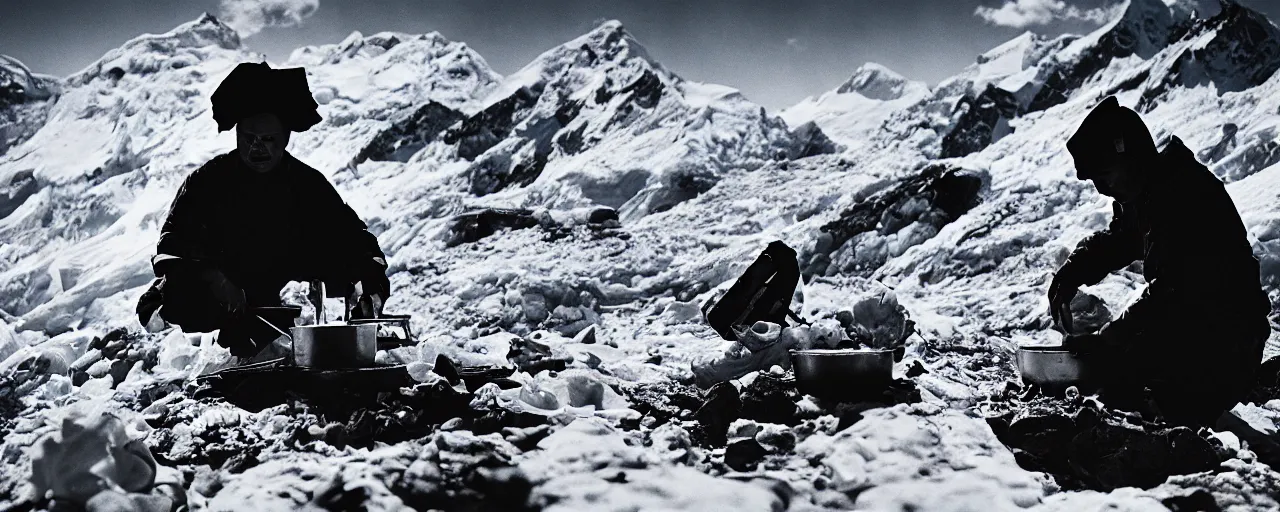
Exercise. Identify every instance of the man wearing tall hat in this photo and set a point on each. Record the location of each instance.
(1192, 342)
(253, 219)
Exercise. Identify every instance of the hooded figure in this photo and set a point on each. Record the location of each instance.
(251, 220)
(1195, 337)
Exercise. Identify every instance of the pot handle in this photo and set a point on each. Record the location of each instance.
(274, 328)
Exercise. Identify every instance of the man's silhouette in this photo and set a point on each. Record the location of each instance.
(1195, 337)
(249, 221)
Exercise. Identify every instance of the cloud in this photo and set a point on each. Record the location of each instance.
(249, 17)
(1026, 13)
(795, 44)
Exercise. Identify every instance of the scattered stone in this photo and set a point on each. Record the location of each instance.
(586, 336)
(744, 454)
(916, 369)
(770, 399)
(1198, 501)
(720, 409)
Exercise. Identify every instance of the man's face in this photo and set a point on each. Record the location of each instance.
(261, 140)
(1117, 180)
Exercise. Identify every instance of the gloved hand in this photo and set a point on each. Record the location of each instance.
(1086, 344)
(1062, 290)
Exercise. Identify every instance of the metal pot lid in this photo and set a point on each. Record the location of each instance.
(840, 351)
(1043, 348)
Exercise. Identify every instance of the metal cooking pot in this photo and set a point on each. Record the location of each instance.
(837, 373)
(335, 346)
(1052, 368)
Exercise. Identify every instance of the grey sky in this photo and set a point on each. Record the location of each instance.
(776, 52)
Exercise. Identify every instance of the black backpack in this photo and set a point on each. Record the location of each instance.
(763, 292)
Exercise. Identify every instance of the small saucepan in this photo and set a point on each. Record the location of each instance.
(1053, 368)
(842, 373)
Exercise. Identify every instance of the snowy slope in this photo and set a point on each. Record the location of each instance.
(418, 129)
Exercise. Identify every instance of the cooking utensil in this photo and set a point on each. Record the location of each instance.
(1052, 367)
(274, 328)
(840, 373)
(317, 300)
(335, 346)
(393, 330)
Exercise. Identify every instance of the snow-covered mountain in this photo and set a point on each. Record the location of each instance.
(960, 197)
(852, 112)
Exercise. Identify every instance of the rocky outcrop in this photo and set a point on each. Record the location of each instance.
(981, 119)
(1146, 27)
(1243, 52)
(410, 134)
(811, 141)
(937, 196)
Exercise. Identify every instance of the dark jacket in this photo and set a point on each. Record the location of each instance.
(265, 229)
(1203, 286)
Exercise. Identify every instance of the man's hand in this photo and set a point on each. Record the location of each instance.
(1085, 344)
(1062, 290)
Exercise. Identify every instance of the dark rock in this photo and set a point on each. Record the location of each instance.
(473, 226)
(681, 186)
(1243, 53)
(21, 186)
(951, 193)
(410, 134)
(664, 401)
(811, 141)
(571, 142)
(721, 408)
(1198, 501)
(976, 127)
(916, 369)
(482, 131)
(494, 174)
(533, 357)
(744, 454)
(600, 215)
(769, 399)
(445, 368)
(645, 91)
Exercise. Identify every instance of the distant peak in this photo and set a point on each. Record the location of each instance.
(206, 29)
(610, 26)
(878, 82)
